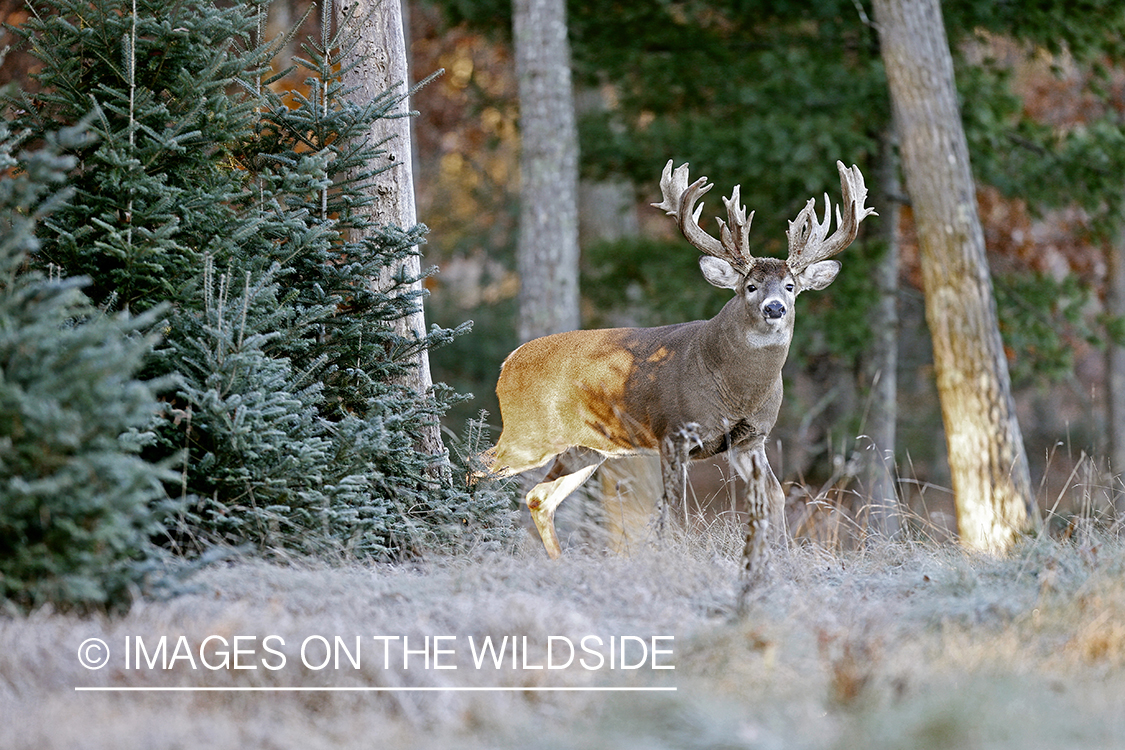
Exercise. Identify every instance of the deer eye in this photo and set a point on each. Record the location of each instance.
(751, 288)
(788, 287)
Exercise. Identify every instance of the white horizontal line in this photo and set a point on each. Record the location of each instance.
(324, 689)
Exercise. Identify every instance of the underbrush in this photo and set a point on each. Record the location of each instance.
(892, 645)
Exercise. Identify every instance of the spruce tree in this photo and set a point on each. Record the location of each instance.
(79, 506)
(374, 493)
(157, 84)
(202, 188)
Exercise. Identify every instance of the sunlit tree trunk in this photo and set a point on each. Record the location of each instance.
(988, 463)
(548, 232)
(381, 45)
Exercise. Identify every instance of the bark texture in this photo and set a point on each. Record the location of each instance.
(1115, 374)
(381, 47)
(988, 463)
(881, 366)
(548, 233)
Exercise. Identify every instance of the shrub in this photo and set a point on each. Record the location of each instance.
(79, 506)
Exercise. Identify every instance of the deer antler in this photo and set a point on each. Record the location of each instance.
(808, 238)
(679, 201)
(736, 235)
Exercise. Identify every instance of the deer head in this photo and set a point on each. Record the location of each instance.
(767, 287)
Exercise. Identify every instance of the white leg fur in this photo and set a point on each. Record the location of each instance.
(545, 497)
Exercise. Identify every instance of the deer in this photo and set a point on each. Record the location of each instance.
(686, 391)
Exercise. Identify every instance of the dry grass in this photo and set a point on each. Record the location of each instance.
(892, 646)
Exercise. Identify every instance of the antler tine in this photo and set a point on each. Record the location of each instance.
(672, 186)
(734, 233)
(679, 201)
(808, 238)
(806, 235)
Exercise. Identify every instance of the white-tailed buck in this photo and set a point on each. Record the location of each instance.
(689, 390)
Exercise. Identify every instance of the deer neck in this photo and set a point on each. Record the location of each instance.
(744, 361)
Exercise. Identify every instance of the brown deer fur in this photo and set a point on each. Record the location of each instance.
(688, 390)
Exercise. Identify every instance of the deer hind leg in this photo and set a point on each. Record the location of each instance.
(763, 495)
(563, 479)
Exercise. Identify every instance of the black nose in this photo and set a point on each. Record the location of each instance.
(774, 310)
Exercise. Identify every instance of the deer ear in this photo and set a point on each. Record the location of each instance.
(719, 273)
(819, 275)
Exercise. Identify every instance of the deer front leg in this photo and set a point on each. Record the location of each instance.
(674, 452)
(763, 494)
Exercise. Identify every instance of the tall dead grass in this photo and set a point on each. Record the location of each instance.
(892, 645)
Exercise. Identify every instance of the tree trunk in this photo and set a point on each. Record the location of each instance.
(548, 232)
(881, 370)
(988, 463)
(377, 25)
(1115, 374)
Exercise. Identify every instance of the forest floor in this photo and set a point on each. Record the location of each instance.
(894, 646)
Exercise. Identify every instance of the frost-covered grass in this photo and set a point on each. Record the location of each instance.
(894, 646)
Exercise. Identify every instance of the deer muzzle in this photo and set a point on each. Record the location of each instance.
(773, 310)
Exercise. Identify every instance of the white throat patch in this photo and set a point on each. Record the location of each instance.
(776, 336)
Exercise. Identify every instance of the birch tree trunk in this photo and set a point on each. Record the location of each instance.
(548, 231)
(381, 45)
(988, 463)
